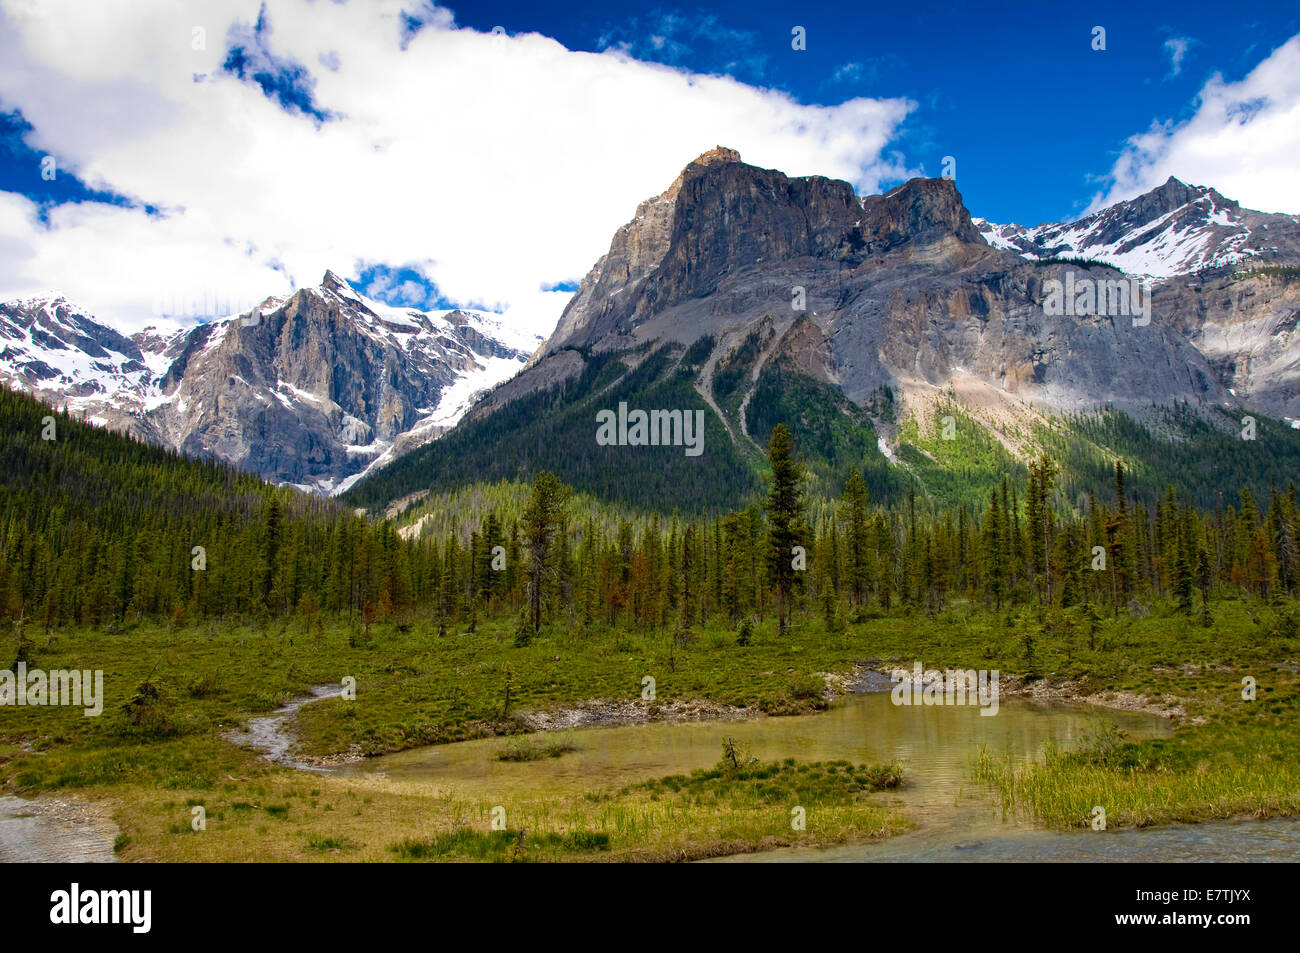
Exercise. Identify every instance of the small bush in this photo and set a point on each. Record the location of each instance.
(204, 686)
(326, 844)
(530, 748)
(745, 635)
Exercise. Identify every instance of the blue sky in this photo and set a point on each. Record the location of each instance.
(1034, 116)
(237, 149)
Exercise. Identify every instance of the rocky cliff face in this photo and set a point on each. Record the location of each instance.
(1247, 326)
(721, 217)
(310, 390)
(905, 293)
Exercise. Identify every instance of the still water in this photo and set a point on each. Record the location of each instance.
(956, 820)
(934, 745)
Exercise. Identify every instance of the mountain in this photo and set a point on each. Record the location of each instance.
(1223, 277)
(1175, 229)
(54, 347)
(311, 390)
(751, 298)
(901, 290)
(862, 322)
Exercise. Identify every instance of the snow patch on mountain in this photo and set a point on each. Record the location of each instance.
(1176, 229)
(160, 381)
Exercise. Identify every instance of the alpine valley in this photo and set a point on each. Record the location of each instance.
(351, 566)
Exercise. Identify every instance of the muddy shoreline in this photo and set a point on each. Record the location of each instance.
(1041, 689)
(598, 712)
(869, 676)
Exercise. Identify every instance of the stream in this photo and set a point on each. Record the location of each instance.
(49, 830)
(273, 735)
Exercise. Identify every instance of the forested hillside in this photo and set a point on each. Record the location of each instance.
(554, 429)
(96, 527)
(1201, 452)
(1020, 547)
(99, 528)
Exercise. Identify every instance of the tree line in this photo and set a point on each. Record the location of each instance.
(97, 528)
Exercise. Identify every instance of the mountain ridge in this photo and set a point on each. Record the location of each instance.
(310, 389)
(900, 302)
(1174, 229)
(742, 282)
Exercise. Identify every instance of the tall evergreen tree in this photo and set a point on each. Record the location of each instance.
(542, 519)
(785, 506)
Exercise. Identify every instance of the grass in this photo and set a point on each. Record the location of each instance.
(818, 782)
(1230, 757)
(536, 748)
(1243, 767)
(466, 844)
(734, 807)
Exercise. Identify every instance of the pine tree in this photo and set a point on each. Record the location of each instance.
(992, 549)
(854, 514)
(541, 521)
(785, 517)
(1182, 573)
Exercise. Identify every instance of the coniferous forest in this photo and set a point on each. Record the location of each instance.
(98, 529)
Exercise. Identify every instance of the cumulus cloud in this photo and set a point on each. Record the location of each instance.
(1243, 140)
(494, 166)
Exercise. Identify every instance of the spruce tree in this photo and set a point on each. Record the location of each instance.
(784, 516)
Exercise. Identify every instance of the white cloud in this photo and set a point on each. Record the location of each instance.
(1242, 140)
(498, 163)
(1176, 48)
(847, 73)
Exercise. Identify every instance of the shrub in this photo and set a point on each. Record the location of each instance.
(746, 633)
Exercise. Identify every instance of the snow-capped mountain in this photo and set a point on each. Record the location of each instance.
(314, 389)
(754, 298)
(51, 345)
(907, 294)
(1176, 229)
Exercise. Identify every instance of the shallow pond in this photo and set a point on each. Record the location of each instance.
(50, 831)
(935, 746)
(956, 820)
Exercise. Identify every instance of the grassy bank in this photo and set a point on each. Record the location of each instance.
(171, 692)
(256, 811)
(1240, 766)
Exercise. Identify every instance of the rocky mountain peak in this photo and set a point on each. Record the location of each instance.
(1174, 229)
(332, 282)
(311, 389)
(919, 211)
(722, 217)
(718, 155)
(1165, 199)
